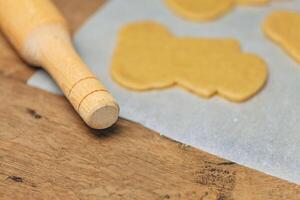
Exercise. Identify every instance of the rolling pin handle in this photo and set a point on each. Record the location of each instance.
(39, 33)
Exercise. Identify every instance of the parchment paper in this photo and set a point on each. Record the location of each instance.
(262, 133)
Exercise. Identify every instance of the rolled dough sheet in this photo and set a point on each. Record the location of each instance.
(201, 10)
(262, 133)
(283, 27)
(148, 56)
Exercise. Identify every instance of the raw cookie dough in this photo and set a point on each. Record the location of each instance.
(252, 2)
(149, 57)
(200, 10)
(283, 27)
(203, 10)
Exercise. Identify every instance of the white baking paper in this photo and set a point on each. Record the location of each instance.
(262, 133)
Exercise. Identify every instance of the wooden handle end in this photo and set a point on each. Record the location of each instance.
(93, 102)
(99, 110)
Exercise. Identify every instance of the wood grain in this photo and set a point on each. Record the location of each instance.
(47, 152)
(75, 11)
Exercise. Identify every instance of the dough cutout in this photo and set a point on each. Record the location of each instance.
(252, 2)
(149, 57)
(283, 27)
(203, 10)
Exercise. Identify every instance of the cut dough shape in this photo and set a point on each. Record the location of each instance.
(200, 10)
(283, 27)
(149, 57)
(203, 10)
(252, 2)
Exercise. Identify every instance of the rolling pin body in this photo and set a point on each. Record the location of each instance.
(39, 33)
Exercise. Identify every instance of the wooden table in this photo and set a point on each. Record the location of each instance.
(47, 152)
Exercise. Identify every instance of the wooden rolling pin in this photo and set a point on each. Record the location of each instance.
(39, 33)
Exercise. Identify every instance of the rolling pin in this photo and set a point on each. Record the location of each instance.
(39, 33)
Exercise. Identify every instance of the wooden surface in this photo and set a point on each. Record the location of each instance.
(47, 152)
